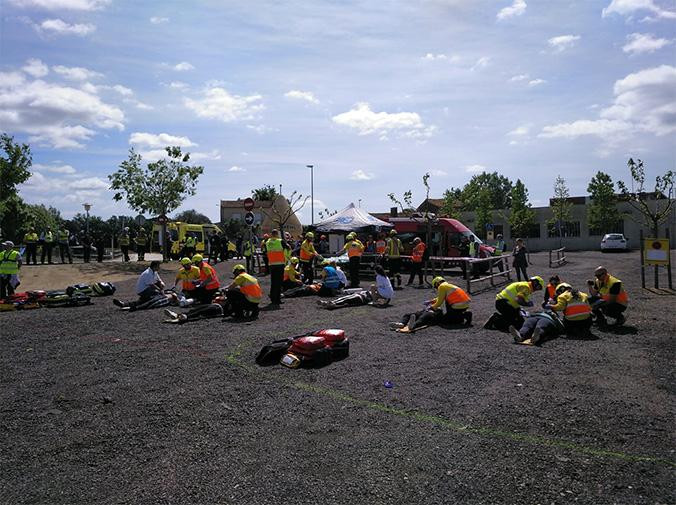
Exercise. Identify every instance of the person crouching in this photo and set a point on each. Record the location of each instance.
(244, 293)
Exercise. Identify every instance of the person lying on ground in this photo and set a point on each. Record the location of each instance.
(303, 290)
(537, 326)
(509, 301)
(207, 285)
(148, 286)
(574, 305)
(380, 294)
(219, 308)
(550, 290)
(292, 278)
(608, 297)
(186, 278)
(244, 294)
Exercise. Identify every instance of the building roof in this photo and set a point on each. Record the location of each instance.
(239, 204)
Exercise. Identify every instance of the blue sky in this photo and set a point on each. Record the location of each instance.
(374, 94)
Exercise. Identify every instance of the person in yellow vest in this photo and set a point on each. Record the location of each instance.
(31, 240)
(509, 301)
(10, 263)
(188, 275)
(307, 256)
(354, 249)
(292, 277)
(608, 297)
(47, 240)
(393, 254)
(208, 284)
(124, 240)
(264, 252)
(141, 244)
(64, 244)
(248, 253)
(417, 261)
(577, 313)
(244, 294)
(190, 245)
(276, 260)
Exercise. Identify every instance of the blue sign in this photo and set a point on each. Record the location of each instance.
(345, 220)
(489, 227)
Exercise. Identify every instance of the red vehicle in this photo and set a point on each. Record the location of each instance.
(447, 235)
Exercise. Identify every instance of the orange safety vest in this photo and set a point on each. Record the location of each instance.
(187, 276)
(355, 248)
(307, 250)
(577, 310)
(275, 251)
(457, 298)
(380, 246)
(551, 292)
(604, 290)
(208, 277)
(417, 253)
(250, 288)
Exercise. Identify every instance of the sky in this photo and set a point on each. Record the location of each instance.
(373, 94)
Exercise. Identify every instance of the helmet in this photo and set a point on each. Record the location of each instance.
(600, 271)
(238, 268)
(309, 235)
(437, 281)
(186, 261)
(323, 237)
(537, 282)
(294, 260)
(416, 240)
(266, 236)
(393, 233)
(126, 228)
(197, 258)
(563, 287)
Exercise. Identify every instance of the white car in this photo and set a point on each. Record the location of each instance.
(614, 242)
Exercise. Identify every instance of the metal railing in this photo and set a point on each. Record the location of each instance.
(500, 262)
(560, 257)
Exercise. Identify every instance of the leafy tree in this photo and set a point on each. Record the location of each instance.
(14, 170)
(498, 187)
(561, 206)
(266, 192)
(160, 188)
(406, 204)
(452, 203)
(232, 227)
(521, 216)
(192, 217)
(41, 218)
(662, 195)
(602, 213)
(483, 212)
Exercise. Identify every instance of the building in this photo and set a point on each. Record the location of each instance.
(267, 214)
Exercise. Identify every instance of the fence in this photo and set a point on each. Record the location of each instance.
(560, 257)
(471, 265)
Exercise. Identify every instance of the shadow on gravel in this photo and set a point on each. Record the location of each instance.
(620, 330)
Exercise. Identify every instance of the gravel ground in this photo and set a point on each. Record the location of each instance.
(98, 406)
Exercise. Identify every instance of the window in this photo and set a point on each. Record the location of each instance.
(498, 229)
(568, 229)
(532, 232)
(617, 228)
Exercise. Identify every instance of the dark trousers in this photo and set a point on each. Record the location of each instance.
(286, 285)
(276, 279)
(213, 254)
(125, 252)
(577, 327)
(521, 270)
(547, 327)
(6, 288)
(510, 315)
(64, 250)
(203, 295)
(145, 297)
(249, 263)
(604, 309)
(416, 269)
(353, 300)
(224, 253)
(86, 252)
(46, 251)
(308, 272)
(31, 252)
(394, 265)
(240, 304)
(100, 249)
(204, 312)
(455, 316)
(141, 252)
(355, 261)
(424, 317)
(266, 262)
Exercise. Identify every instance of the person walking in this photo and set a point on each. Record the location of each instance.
(354, 249)
(520, 260)
(417, 261)
(275, 253)
(248, 253)
(393, 253)
(31, 240)
(64, 245)
(307, 257)
(47, 240)
(141, 244)
(214, 247)
(10, 263)
(124, 240)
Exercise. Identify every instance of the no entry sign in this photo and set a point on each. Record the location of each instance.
(249, 204)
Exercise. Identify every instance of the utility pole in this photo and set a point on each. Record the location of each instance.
(312, 192)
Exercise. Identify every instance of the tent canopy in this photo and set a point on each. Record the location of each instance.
(352, 219)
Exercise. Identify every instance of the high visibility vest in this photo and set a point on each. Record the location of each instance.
(354, 248)
(275, 251)
(499, 248)
(208, 277)
(394, 247)
(63, 236)
(418, 252)
(604, 290)
(249, 287)
(576, 309)
(511, 293)
(49, 237)
(455, 297)
(551, 291)
(190, 242)
(123, 239)
(307, 250)
(30, 238)
(247, 249)
(187, 276)
(331, 279)
(141, 240)
(381, 245)
(9, 262)
(290, 273)
(472, 249)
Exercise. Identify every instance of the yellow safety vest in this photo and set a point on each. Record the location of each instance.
(604, 290)
(394, 247)
(511, 293)
(275, 251)
(30, 238)
(9, 262)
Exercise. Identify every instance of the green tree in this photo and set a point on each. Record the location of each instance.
(14, 170)
(521, 216)
(266, 192)
(192, 216)
(662, 196)
(498, 187)
(483, 212)
(561, 207)
(41, 217)
(160, 188)
(452, 203)
(602, 213)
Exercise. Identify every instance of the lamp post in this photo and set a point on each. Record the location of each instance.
(312, 192)
(87, 207)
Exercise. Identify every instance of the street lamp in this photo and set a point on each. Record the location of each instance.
(87, 206)
(312, 192)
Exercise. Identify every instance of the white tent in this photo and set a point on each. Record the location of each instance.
(352, 219)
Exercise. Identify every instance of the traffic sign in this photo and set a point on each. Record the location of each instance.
(140, 220)
(249, 204)
(162, 219)
(249, 218)
(489, 226)
(656, 251)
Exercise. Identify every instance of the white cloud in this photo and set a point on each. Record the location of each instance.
(628, 7)
(58, 5)
(218, 103)
(432, 57)
(236, 169)
(638, 43)
(536, 82)
(516, 9)
(76, 73)
(90, 183)
(156, 20)
(11, 79)
(210, 155)
(519, 78)
(178, 85)
(475, 168)
(184, 66)
(520, 131)
(122, 90)
(481, 63)
(301, 95)
(141, 105)
(438, 173)
(60, 27)
(360, 175)
(644, 102)
(363, 119)
(35, 68)
(161, 140)
(57, 169)
(563, 42)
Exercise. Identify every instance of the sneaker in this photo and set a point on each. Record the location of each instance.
(468, 319)
(119, 303)
(126, 308)
(171, 314)
(182, 317)
(411, 321)
(536, 335)
(515, 333)
(488, 325)
(396, 326)
(620, 320)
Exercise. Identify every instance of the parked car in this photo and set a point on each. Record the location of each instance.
(614, 242)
